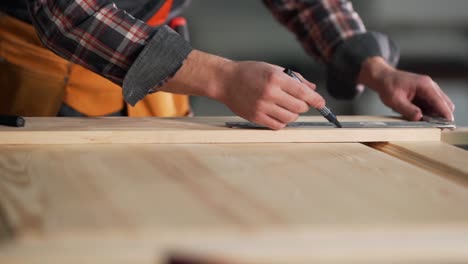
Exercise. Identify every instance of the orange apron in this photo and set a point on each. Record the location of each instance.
(32, 79)
(81, 89)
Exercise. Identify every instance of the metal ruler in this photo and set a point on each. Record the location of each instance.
(428, 122)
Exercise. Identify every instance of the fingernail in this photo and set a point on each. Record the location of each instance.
(451, 118)
(418, 115)
(323, 103)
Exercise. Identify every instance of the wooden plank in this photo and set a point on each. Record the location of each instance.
(94, 190)
(437, 157)
(138, 203)
(195, 130)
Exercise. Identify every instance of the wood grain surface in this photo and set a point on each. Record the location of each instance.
(196, 130)
(132, 203)
(437, 157)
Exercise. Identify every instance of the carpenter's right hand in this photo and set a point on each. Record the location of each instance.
(264, 94)
(257, 91)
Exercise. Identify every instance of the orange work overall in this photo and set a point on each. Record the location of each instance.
(35, 82)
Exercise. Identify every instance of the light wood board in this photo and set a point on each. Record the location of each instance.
(458, 136)
(196, 130)
(57, 200)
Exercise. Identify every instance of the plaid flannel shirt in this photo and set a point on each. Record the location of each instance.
(319, 25)
(95, 34)
(105, 39)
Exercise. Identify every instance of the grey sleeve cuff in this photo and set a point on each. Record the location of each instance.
(158, 61)
(345, 64)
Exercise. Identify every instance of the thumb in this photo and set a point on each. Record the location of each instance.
(409, 111)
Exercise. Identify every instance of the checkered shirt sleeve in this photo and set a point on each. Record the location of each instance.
(320, 25)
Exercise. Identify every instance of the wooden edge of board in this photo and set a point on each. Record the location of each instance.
(458, 136)
(219, 136)
(436, 243)
(410, 246)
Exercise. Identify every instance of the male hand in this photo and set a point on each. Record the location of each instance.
(409, 94)
(257, 91)
(264, 94)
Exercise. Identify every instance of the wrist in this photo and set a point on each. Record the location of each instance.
(373, 72)
(202, 74)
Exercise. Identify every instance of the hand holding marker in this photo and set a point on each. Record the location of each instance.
(325, 111)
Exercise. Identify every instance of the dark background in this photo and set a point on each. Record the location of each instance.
(433, 36)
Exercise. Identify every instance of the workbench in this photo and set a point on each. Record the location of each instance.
(190, 190)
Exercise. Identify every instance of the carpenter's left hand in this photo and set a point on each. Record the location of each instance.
(409, 94)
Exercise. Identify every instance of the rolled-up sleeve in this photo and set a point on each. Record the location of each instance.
(107, 40)
(333, 32)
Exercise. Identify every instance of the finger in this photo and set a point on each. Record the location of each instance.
(407, 109)
(306, 82)
(291, 103)
(301, 92)
(436, 101)
(445, 96)
(268, 121)
(281, 114)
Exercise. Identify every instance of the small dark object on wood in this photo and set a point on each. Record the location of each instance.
(13, 121)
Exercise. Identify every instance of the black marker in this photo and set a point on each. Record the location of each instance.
(13, 121)
(325, 111)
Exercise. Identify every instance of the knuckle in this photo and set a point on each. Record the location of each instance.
(268, 93)
(256, 112)
(255, 117)
(300, 108)
(271, 77)
(426, 80)
(301, 92)
(391, 99)
(304, 108)
(292, 118)
(277, 125)
(317, 102)
(312, 86)
(258, 107)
